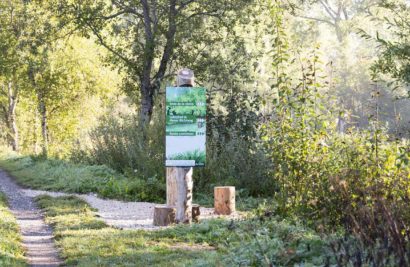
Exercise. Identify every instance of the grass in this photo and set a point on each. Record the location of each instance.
(87, 241)
(58, 175)
(11, 250)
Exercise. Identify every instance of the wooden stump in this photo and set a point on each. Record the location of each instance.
(164, 215)
(196, 212)
(224, 202)
(172, 186)
(184, 195)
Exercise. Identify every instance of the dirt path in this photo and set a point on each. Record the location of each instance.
(119, 214)
(37, 236)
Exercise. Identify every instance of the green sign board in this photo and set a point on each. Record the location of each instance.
(185, 127)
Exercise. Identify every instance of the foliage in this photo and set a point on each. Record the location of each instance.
(276, 86)
(123, 144)
(209, 243)
(143, 37)
(394, 58)
(11, 249)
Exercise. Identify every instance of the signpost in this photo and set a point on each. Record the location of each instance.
(185, 147)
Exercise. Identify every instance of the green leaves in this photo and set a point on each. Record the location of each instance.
(394, 51)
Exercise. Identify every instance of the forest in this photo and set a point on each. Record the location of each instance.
(308, 116)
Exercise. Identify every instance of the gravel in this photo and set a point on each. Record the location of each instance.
(120, 214)
(37, 236)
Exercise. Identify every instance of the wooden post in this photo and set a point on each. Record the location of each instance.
(196, 212)
(179, 180)
(164, 215)
(224, 202)
(171, 187)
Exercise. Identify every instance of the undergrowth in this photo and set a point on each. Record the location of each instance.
(257, 241)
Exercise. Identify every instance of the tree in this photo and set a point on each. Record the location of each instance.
(13, 24)
(394, 57)
(335, 12)
(143, 36)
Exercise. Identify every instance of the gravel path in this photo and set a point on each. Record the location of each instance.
(120, 214)
(37, 237)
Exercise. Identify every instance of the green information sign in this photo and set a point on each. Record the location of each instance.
(185, 127)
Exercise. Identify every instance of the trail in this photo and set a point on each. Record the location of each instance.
(120, 214)
(37, 236)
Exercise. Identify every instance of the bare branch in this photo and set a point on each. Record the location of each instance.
(185, 4)
(318, 19)
(328, 9)
(122, 12)
(213, 13)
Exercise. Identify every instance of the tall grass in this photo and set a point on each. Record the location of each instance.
(123, 145)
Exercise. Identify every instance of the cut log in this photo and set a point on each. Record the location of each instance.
(164, 215)
(179, 192)
(224, 202)
(196, 212)
(184, 195)
(172, 186)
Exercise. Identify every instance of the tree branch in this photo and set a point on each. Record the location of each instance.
(329, 10)
(122, 12)
(169, 46)
(318, 19)
(147, 20)
(104, 44)
(185, 4)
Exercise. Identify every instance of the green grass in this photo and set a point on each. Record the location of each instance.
(58, 175)
(11, 250)
(86, 241)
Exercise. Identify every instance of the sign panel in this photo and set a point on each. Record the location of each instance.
(185, 127)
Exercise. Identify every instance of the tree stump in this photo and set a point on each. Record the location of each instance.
(196, 212)
(164, 215)
(224, 202)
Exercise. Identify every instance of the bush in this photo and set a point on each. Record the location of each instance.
(232, 158)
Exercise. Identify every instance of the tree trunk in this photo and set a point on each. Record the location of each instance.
(151, 84)
(338, 30)
(12, 121)
(43, 113)
(35, 135)
(147, 104)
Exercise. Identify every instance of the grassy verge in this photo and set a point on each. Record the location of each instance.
(11, 251)
(58, 175)
(86, 241)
